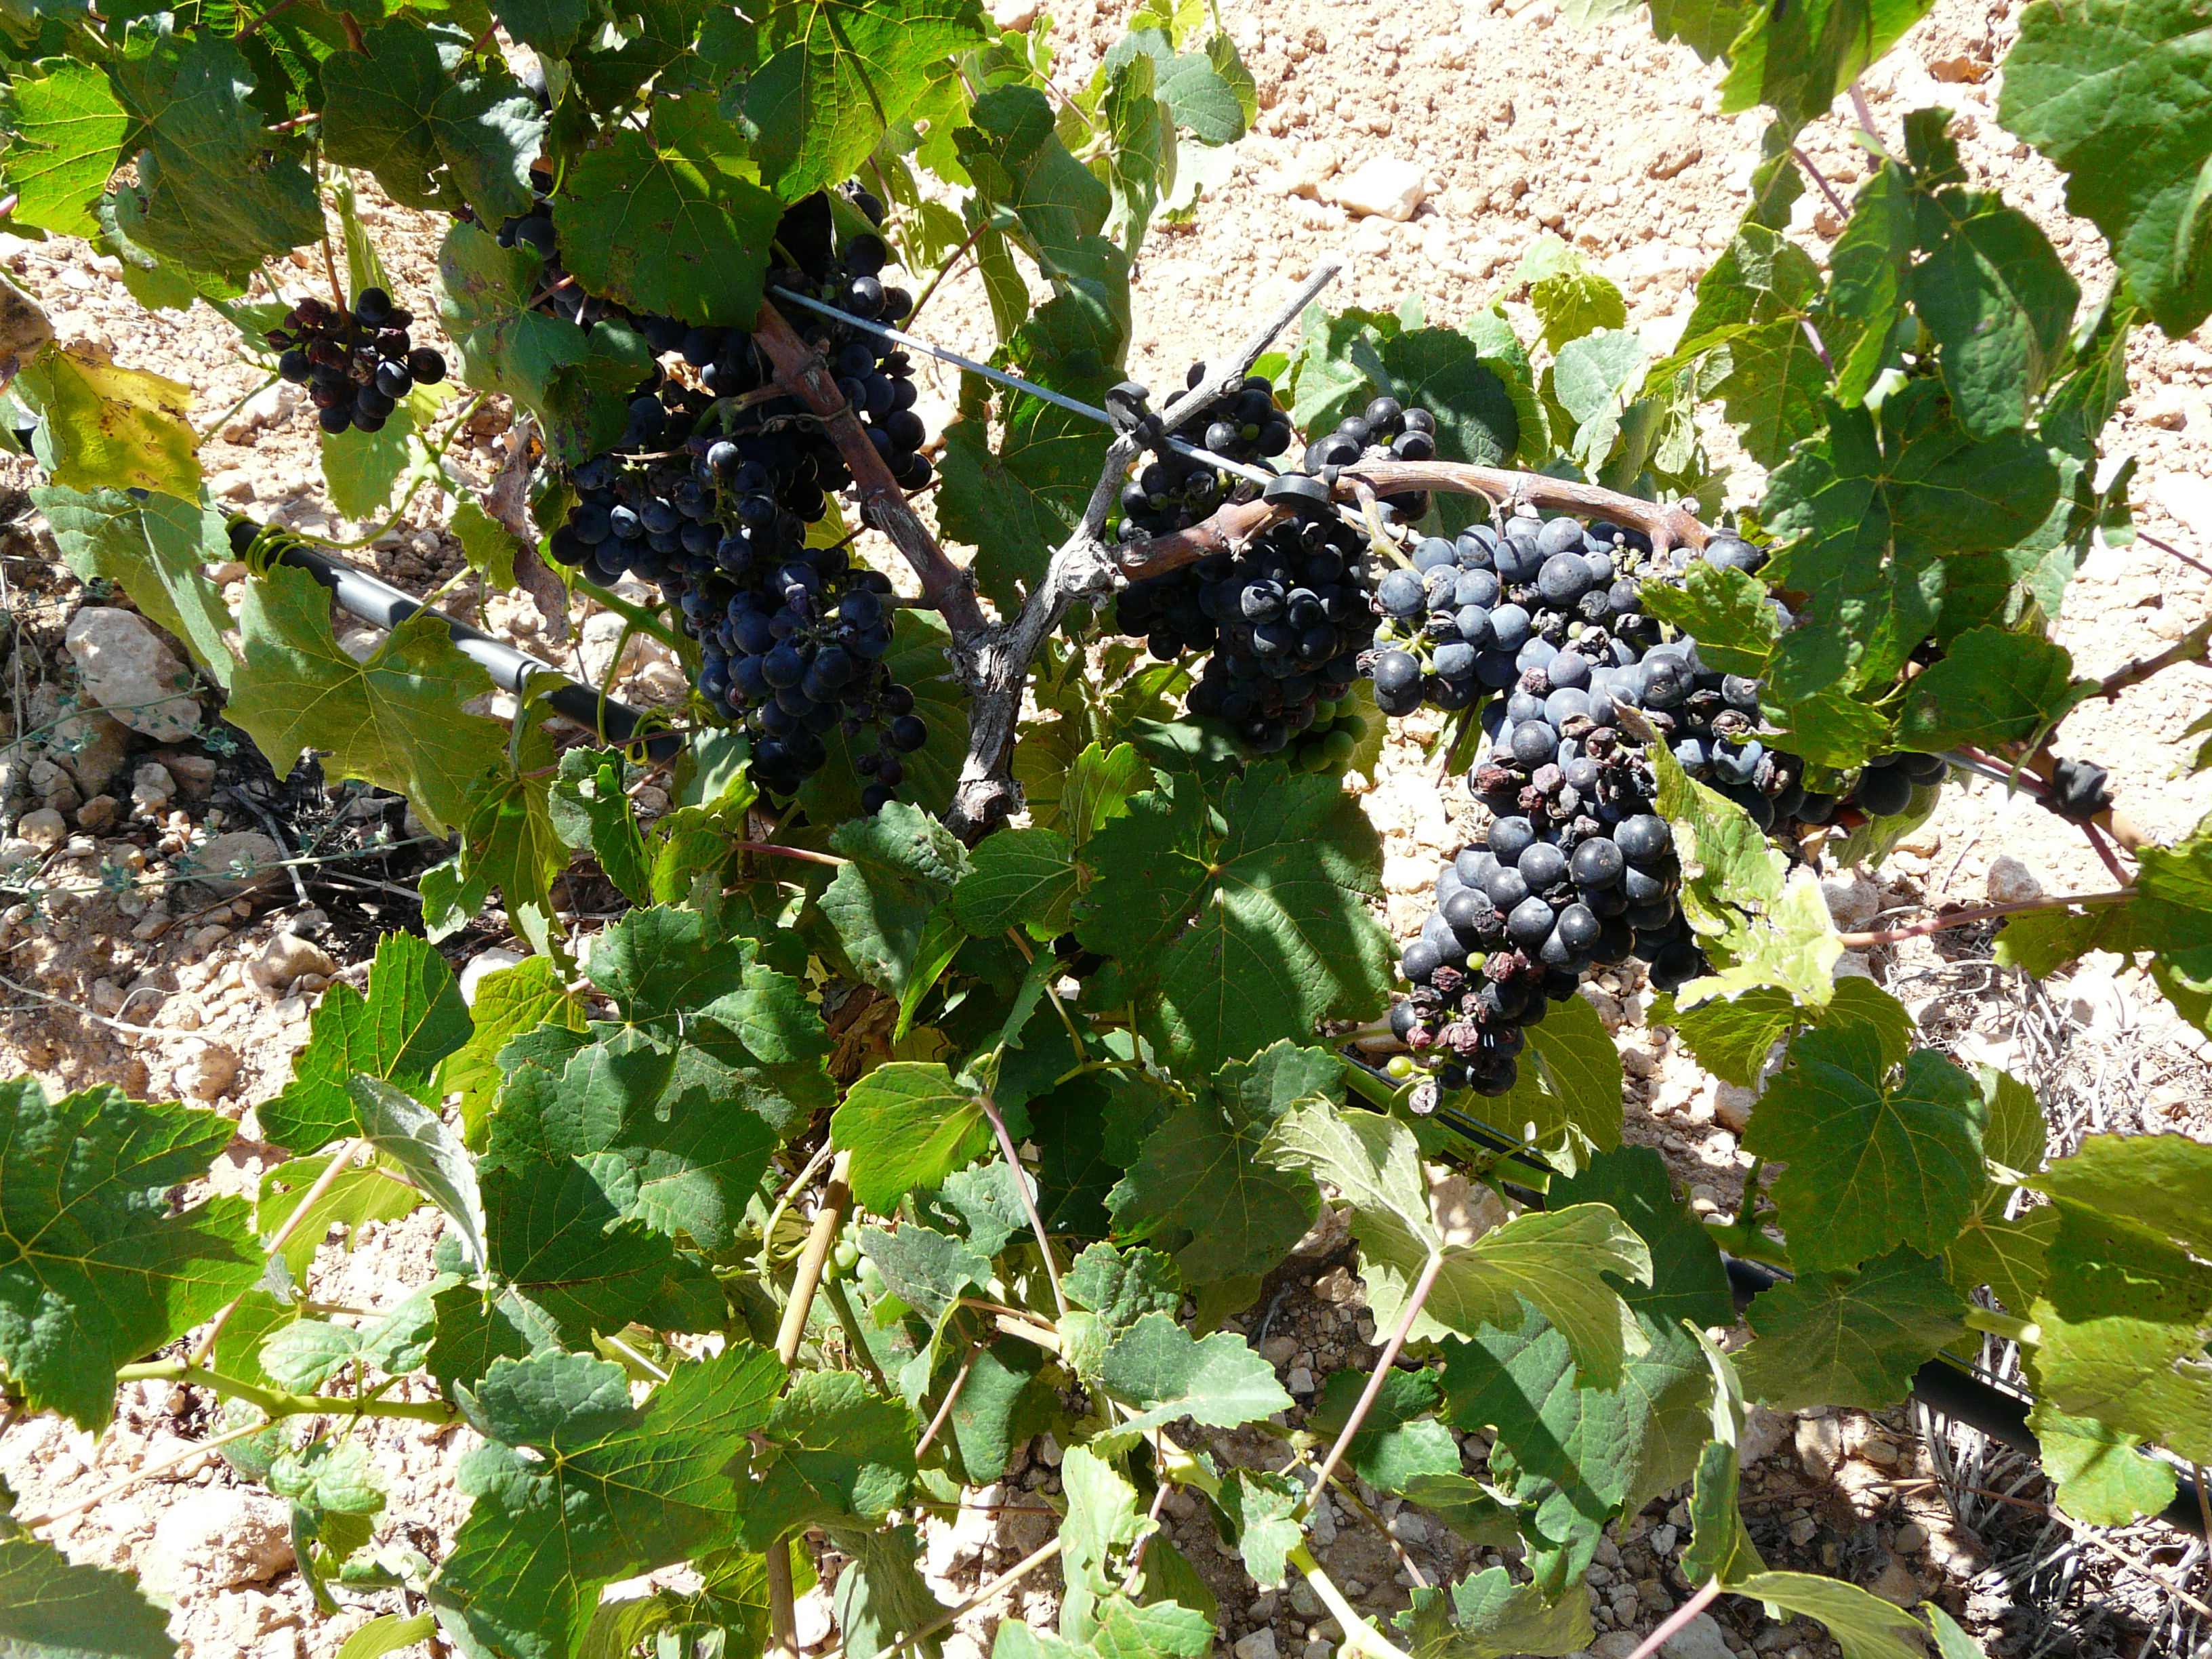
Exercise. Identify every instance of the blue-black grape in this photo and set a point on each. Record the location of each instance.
(355, 363)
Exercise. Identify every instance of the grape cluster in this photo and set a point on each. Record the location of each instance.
(356, 364)
(1410, 434)
(1471, 616)
(1284, 617)
(1175, 491)
(710, 494)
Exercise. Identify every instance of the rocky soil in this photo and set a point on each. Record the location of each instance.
(1431, 143)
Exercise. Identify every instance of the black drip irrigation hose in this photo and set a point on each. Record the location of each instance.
(1957, 1391)
(382, 605)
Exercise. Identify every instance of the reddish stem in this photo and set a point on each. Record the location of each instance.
(882, 503)
(1979, 913)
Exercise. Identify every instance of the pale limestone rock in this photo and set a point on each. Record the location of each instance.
(220, 1537)
(128, 669)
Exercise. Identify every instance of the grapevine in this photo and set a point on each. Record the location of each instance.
(996, 998)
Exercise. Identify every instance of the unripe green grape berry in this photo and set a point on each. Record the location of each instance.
(846, 1256)
(869, 1277)
(1401, 1069)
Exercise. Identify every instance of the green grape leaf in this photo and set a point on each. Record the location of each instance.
(1012, 151)
(924, 1268)
(356, 1195)
(1575, 1455)
(1161, 1373)
(157, 548)
(1400, 1440)
(1159, 1630)
(1197, 1186)
(1795, 62)
(508, 1002)
(880, 1594)
(904, 864)
(908, 1126)
(1731, 1035)
(215, 192)
(2043, 942)
(576, 382)
(410, 1135)
(1102, 1523)
(507, 843)
(1863, 1624)
(2161, 1181)
(436, 126)
(835, 74)
(108, 428)
(669, 219)
(1849, 1339)
(400, 1033)
(1567, 1095)
(2122, 1316)
(1441, 370)
(50, 1607)
(1766, 924)
(834, 1454)
(95, 1271)
(1719, 1547)
(472, 1329)
(2097, 89)
(673, 1157)
(2009, 1256)
(361, 469)
(1552, 1258)
(67, 128)
(1281, 933)
(2103, 1476)
(1865, 518)
(394, 720)
(611, 1490)
(1872, 1164)
(1486, 1615)
(592, 818)
(988, 1203)
(1122, 1285)
(1992, 688)
(1997, 298)
(1725, 610)
(1569, 298)
(552, 1235)
(1261, 1508)
(1773, 390)
(1018, 878)
(662, 963)
(549, 27)
(1015, 503)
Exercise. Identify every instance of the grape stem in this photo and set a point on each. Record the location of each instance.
(997, 660)
(1668, 526)
(1979, 913)
(783, 1621)
(804, 373)
(1676, 1619)
(2189, 647)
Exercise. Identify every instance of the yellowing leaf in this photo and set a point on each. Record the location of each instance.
(109, 427)
(395, 720)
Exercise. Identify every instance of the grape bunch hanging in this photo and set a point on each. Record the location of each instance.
(356, 364)
(711, 494)
(1287, 617)
(1577, 869)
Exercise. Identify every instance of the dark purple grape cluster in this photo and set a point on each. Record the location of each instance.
(1469, 617)
(710, 494)
(1285, 618)
(356, 364)
(1174, 491)
(1402, 433)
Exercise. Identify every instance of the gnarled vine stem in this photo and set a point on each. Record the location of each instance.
(991, 659)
